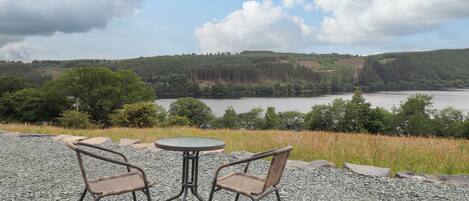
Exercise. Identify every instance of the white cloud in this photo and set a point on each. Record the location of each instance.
(371, 21)
(15, 51)
(256, 26)
(22, 18)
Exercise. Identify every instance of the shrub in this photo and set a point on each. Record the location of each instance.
(178, 121)
(195, 110)
(139, 115)
(75, 119)
(230, 119)
(271, 119)
(292, 120)
(253, 119)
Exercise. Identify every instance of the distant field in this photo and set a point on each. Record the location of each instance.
(426, 155)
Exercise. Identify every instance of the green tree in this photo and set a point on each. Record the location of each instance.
(319, 118)
(12, 84)
(31, 105)
(253, 119)
(74, 119)
(449, 123)
(230, 119)
(381, 121)
(271, 119)
(413, 115)
(139, 115)
(357, 114)
(195, 110)
(292, 120)
(99, 91)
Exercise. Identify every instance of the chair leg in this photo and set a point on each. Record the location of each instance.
(237, 197)
(212, 191)
(278, 194)
(147, 192)
(134, 196)
(83, 195)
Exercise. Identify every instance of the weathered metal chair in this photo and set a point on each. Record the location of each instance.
(130, 181)
(252, 186)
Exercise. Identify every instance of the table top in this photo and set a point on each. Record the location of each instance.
(190, 144)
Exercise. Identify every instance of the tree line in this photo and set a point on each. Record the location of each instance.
(100, 97)
(263, 73)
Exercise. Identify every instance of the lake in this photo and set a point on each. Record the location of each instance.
(457, 98)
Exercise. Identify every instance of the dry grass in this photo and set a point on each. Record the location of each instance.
(427, 155)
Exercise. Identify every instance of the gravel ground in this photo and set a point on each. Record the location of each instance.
(42, 169)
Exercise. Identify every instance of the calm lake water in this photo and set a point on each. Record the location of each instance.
(458, 98)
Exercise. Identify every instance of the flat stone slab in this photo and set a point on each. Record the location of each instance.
(128, 142)
(213, 151)
(368, 170)
(98, 140)
(303, 165)
(146, 146)
(60, 137)
(11, 134)
(73, 138)
(458, 180)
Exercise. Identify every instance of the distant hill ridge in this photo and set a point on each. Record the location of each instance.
(265, 73)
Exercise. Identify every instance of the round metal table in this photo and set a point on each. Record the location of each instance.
(190, 146)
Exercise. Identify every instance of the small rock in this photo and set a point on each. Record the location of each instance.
(411, 175)
(302, 165)
(144, 146)
(98, 140)
(127, 142)
(368, 170)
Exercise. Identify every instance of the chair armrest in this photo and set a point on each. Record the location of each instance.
(103, 149)
(254, 157)
(128, 165)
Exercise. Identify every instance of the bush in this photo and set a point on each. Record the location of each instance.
(139, 115)
(292, 120)
(195, 110)
(178, 121)
(271, 119)
(230, 119)
(253, 119)
(75, 119)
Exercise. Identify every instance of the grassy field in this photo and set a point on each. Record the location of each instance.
(426, 155)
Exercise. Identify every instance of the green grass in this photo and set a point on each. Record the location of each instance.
(419, 154)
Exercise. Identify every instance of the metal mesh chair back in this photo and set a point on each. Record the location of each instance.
(277, 166)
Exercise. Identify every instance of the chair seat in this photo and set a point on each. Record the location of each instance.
(242, 183)
(117, 184)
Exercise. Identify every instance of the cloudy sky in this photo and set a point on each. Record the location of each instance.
(74, 29)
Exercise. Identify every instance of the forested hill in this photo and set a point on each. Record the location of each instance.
(265, 73)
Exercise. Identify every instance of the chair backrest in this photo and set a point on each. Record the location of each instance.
(73, 145)
(277, 165)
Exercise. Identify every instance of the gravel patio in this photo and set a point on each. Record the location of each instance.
(33, 168)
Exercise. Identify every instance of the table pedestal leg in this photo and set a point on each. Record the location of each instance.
(189, 181)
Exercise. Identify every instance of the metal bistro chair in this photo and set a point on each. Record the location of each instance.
(251, 186)
(130, 181)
